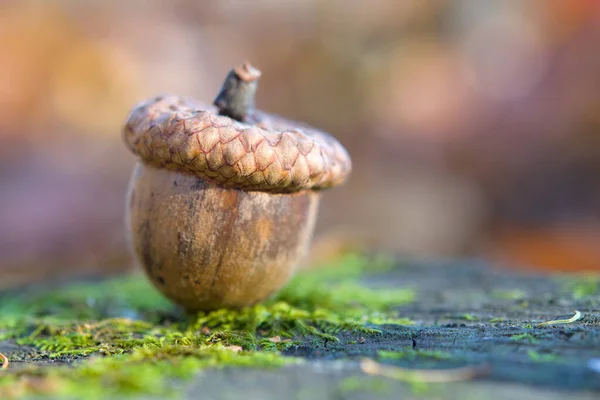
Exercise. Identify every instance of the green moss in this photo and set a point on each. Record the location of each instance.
(539, 357)
(147, 369)
(524, 337)
(389, 319)
(413, 354)
(514, 294)
(120, 336)
(582, 287)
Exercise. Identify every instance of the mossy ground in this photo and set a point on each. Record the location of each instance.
(120, 337)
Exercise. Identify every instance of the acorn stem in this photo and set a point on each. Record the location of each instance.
(236, 98)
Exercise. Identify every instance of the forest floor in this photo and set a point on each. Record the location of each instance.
(360, 329)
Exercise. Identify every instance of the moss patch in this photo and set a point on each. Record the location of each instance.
(121, 337)
(413, 354)
(526, 336)
(582, 287)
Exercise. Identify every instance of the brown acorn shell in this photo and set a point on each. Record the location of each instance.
(206, 247)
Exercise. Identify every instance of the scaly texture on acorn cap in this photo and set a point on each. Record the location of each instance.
(264, 153)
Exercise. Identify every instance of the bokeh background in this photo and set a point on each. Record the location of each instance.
(474, 125)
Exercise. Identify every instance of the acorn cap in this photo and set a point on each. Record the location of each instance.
(263, 153)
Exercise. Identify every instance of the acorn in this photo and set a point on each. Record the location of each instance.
(222, 203)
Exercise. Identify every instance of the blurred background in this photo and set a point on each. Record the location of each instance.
(473, 125)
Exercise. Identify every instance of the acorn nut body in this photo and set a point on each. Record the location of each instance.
(207, 247)
(222, 203)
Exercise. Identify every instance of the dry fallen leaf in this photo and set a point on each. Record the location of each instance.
(574, 318)
(371, 367)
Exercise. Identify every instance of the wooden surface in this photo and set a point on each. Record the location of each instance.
(455, 316)
(466, 315)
